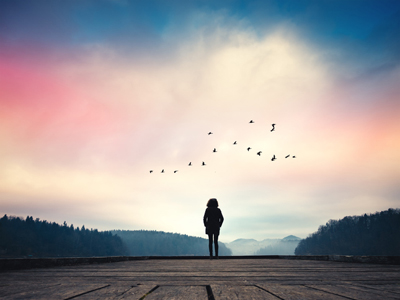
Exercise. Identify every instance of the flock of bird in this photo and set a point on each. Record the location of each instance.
(234, 143)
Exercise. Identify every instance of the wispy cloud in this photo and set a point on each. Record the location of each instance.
(82, 126)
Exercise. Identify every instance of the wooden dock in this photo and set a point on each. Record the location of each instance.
(191, 279)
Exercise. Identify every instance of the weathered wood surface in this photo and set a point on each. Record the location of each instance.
(29, 263)
(205, 279)
(237, 292)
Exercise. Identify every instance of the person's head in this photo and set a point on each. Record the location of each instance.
(212, 203)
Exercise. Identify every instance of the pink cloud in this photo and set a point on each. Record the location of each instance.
(43, 113)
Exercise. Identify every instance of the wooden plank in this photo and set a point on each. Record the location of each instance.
(179, 293)
(21, 287)
(57, 292)
(228, 292)
(297, 292)
(138, 292)
(347, 291)
(118, 291)
(393, 288)
(154, 276)
(386, 294)
(239, 274)
(251, 276)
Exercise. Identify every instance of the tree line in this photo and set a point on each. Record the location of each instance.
(36, 238)
(369, 234)
(159, 243)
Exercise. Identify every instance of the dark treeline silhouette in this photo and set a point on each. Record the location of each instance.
(159, 243)
(372, 234)
(36, 238)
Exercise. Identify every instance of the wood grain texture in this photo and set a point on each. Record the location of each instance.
(188, 279)
(63, 291)
(228, 292)
(297, 292)
(119, 291)
(174, 292)
(354, 293)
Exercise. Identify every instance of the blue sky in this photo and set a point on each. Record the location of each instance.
(97, 93)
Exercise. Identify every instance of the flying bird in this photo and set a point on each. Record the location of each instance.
(259, 153)
(175, 171)
(273, 158)
(215, 150)
(248, 149)
(234, 143)
(210, 133)
(162, 171)
(203, 164)
(294, 156)
(273, 127)
(190, 164)
(287, 156)
(151, 171)
(251, 121)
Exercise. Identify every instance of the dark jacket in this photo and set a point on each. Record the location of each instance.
(213, 220)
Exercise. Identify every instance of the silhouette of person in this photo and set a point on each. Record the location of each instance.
(213, 220)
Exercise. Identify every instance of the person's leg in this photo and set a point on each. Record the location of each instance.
(210, 242)
(216, 244)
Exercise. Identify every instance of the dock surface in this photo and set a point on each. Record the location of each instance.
(206, 279)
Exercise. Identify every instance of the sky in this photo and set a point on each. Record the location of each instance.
(95, 94)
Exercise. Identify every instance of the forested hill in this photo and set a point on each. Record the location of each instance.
(36, 238)
(147, 243)
(373, 234)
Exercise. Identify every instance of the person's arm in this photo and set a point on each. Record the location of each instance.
(221, 218)
(205, 218)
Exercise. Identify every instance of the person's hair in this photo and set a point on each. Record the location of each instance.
(212, 203)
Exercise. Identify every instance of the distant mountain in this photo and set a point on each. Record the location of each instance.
(243, 246)
(291, 238)
(283, 247)
(159, 243)
(373, 234)
(275, 246)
